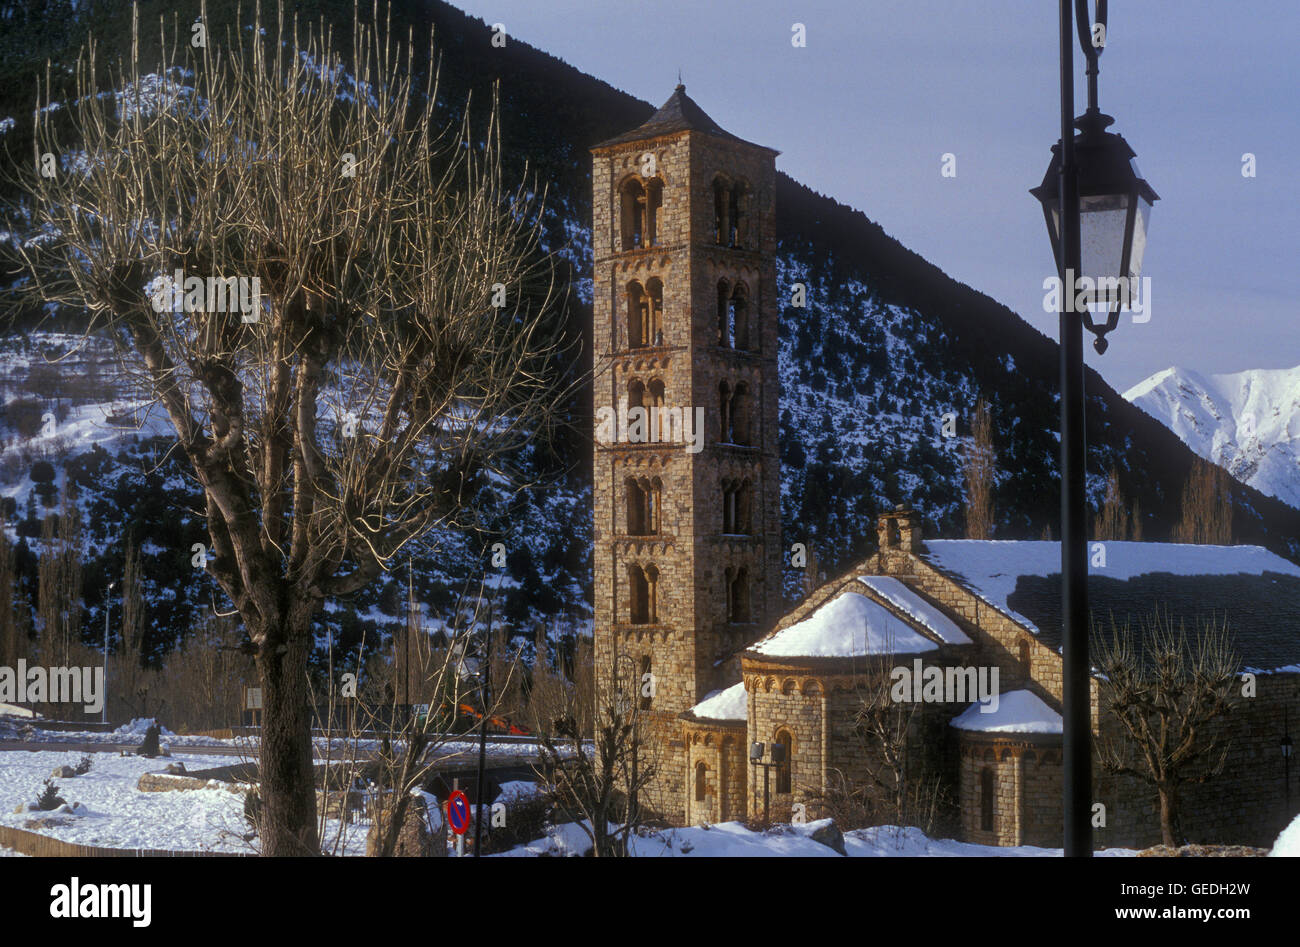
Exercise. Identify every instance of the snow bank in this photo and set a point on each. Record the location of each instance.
(729, 703)
(851, 625)
(1288, 843)
(1018, 712)
(13, 710)
(734, 840)
(139, 727)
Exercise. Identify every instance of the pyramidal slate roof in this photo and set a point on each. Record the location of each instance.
(680, 113)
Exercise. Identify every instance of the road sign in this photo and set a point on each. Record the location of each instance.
(458, 812)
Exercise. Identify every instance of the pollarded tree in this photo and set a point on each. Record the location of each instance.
(1166, 688)
(361, 339)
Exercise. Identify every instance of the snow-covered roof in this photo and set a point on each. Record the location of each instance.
(1017, 712)
(1255, 592)
(913, 606)
(850, 625)
(729, 703)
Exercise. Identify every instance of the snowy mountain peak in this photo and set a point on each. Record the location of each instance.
(1247, 422)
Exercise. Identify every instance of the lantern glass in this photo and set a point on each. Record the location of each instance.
(1139, 249)
(755, 752)
(1102, 221)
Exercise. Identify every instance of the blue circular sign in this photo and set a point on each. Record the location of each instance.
(458, 812)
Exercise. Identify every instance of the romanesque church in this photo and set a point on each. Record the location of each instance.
(689, 557)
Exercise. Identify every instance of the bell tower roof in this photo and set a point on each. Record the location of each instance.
(679, 114)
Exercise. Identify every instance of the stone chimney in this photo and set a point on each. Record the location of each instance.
(899, 530)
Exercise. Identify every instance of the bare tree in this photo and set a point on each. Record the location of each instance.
(395, 350)
(886, 727)
(979, 464)
(599, 778)
(1165, 690)
(1207, 506)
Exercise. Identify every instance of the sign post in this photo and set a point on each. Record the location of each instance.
(458, 817)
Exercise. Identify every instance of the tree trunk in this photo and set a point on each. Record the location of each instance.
(288, 779)
(1170, 834)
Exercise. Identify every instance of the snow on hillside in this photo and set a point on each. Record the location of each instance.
(1246, 422)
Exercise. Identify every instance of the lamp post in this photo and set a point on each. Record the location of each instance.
(108, 607)
(1096, 206)
(756, 759)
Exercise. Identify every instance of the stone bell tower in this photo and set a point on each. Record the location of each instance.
(687, 489)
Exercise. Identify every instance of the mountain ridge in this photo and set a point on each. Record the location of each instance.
(887, 347)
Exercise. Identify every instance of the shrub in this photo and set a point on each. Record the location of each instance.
(49, 799)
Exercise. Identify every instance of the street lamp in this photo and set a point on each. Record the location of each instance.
(756, 759)
(1097, 207)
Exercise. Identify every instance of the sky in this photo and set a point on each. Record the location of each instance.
(884, 88)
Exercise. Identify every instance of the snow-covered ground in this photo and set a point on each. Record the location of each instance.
(1288, 843)
(115, 814)
(733, 840)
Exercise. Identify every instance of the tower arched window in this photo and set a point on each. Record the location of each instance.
(739, 318)
(654, 506)
(783, 769)
(637, 503)
(724, 314)
(700, 785)
(657, 422)
(987, 789)
(730, 212)
(721, 210)
(640, 211)
(638, 316)
(643, 502)
(654, 325)
(738, 417)
(737, 595)
(637, 426)
(652, 595)
(724, 404)
(736, 507)
(641, 595)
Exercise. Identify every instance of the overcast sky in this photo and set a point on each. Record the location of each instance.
(885, 87)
